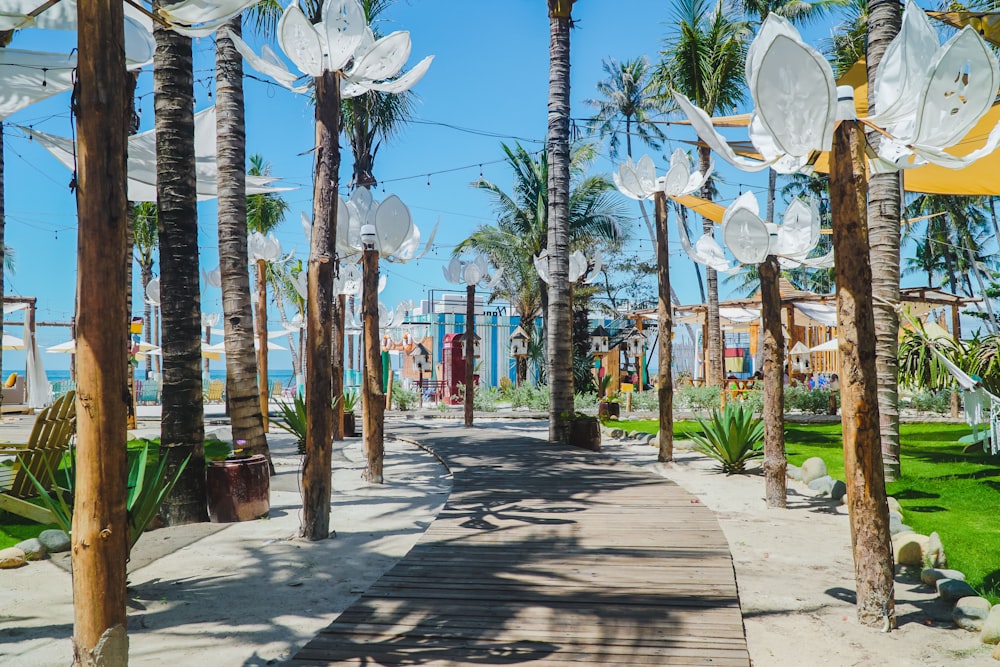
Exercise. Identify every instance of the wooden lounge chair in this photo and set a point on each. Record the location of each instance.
(277, 389)
(214, 392)
(40, 456)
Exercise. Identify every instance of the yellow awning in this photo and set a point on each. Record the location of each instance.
(987, 24)
(703, 207)
(980, 178)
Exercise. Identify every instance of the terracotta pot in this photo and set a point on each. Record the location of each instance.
(585, 433)
(238, 489)
(608, 410)
(350, 425)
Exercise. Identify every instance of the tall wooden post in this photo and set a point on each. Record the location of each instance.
(640, 359)
(316, 484)
(665, 326)
(337, 381)
(863, 473)
(773, 353)
(372, 395)
(260, 324)
(470, 347)
(100, 531)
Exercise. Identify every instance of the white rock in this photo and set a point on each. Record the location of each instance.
(813, 468)
(909, 548)
(11, 557)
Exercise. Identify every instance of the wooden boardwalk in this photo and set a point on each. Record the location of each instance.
(552, 556)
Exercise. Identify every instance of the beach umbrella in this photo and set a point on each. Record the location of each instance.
(12, 342)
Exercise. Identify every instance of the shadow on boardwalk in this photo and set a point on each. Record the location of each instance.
(547, 555)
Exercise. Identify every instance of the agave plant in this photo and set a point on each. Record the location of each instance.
(145, 491)
(732, 437)
(293, 420)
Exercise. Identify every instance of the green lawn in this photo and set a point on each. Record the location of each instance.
(942, 489)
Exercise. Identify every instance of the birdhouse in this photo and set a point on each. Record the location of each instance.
(519, 343)
(421, 358)
(634, 343)
(599, 341)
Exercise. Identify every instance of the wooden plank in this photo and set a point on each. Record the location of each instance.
(543, 555)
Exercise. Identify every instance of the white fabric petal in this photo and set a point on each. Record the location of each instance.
(344, 26)
(799, 230)
(708, 252)
(384, 59)
(795, 96)
(744, 233)
(407, 80)
(267, 63)
(541, 262)
(394, 225)
(821, 262)
(904, 69)
(300, 41)
(702, 124)
(960, 90)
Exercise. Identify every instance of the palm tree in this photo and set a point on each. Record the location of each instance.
(242, 395)
(560, 329)
(144, 235)
(703, 58)
(884, 194)
(628, 100)
(521, 231)
(183, 424)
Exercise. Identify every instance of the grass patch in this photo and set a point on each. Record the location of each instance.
(942, 489)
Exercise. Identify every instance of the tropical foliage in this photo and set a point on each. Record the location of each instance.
(732, 436)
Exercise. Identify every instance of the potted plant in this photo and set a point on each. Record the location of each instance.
(610, 404)
(585, 432)
(239, 486)
(350, 402)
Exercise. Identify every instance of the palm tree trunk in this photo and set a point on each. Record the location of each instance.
(714, 362)
(100, 529)
(560, 333)
(183, 424)
(468, 402)
(373, 393)
(775, 462)
(863, 473)
(884, 194)
(665, 328)
(318, 354)
(241, 365)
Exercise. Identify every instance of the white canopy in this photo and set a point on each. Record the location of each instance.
(12, 342)
(818, 312)
(142, 160)
(828, 346)
(27, 77)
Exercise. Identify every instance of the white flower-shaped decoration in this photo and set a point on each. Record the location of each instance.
(750, 239)
(579, 266)
(397, 240)
(930, 96)
(341, 42)
(212, 278)
(475, 272)
(639, 181)
(260, 247)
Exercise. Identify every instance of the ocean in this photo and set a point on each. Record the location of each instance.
(284, 375)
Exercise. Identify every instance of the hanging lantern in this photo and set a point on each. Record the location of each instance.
(386, 342)
(407, 341)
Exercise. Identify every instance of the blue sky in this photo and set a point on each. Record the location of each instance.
(488, 83)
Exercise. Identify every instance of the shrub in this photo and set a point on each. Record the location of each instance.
(535, 398)
(485, 399)
(699, 399)
(814, 401)
(585, 401)
(404, 399)
(931, 401)
(292, 419)
(753, 400)
(732, 437)
(647, 400)
(506, 386)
